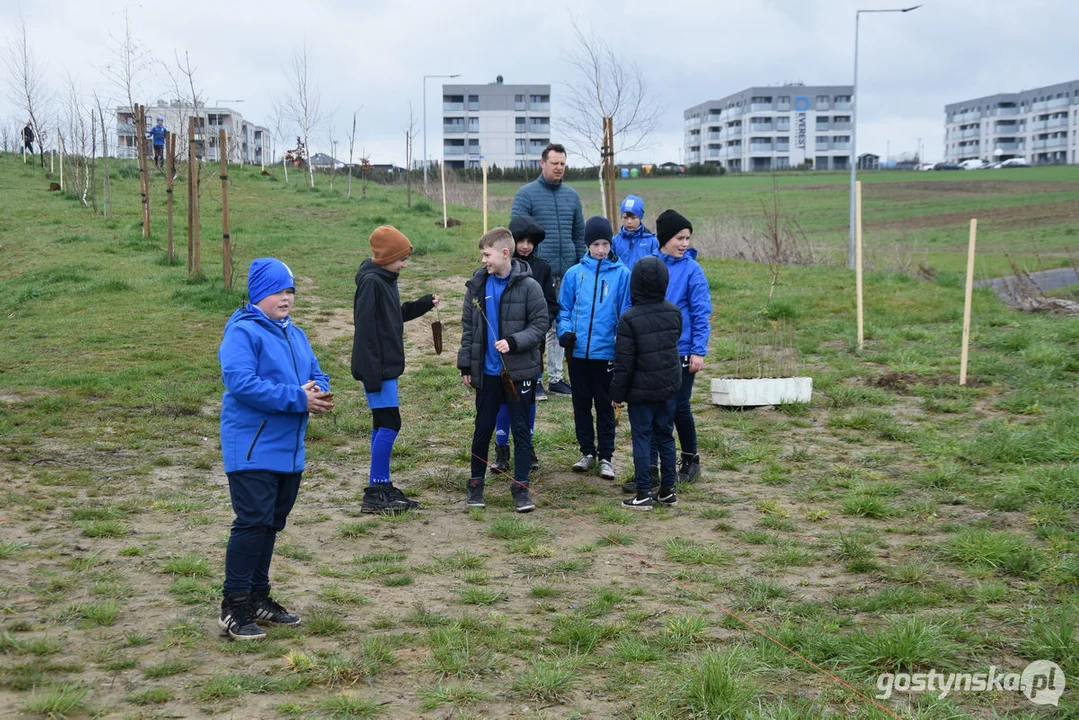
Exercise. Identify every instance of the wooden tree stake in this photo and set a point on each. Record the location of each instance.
(858, 260)
(170, 172)
(445, 217)
(967, 303)
(226, 243)
(484, 162)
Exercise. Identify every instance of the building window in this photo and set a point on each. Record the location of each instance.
(473, 124)
(473, 102)
(783, 161)
(519, 124)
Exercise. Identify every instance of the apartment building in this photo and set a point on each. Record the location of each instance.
(248, 143)
(1040, 125)
(772, 127)
(509, 125)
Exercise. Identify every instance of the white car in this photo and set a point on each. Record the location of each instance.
(1015, 162)
(972, 164)
(922, 167)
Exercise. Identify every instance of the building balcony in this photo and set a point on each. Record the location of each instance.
(783, 127)
(762, 127)
(714, 118)
(760, 149)
(453, 106)
(823, 106)
(1056, 142)
(841, 106)
(539, 106)
(690, 122)
(453, 150)
(1004, 112)
(1008, 146)
(783, 148)
(125, 129)
(841, 126)
(538, 128)
(760, 107)
(821, 147)
(734, 112)
(822, 127)
(715, 136)
(734, 132)
(841, 146)
(1058, 122)
(1039, 125)
(453, 129)
(715, 153)
(783, 107)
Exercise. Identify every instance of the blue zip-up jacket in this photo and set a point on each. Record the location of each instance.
(157, 132)
(594, 295)
(557, 208)
(632, 246)
(264, 408)
(688, 289)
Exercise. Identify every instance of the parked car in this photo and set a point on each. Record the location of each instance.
(922, 167)
(947, 166)
(1015, 162)
(974, 164)
(992, 166)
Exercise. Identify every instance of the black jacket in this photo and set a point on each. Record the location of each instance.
(522, 321)
(525, 226)
(378, 346)
(647, 367)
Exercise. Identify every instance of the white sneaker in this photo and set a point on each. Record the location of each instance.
(606, 470)
(586, 463)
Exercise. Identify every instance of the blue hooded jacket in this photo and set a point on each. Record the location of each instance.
(688, 289)
(594, 294)
(264, 408)
(632, 246)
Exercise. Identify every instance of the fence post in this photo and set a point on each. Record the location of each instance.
(226, 243)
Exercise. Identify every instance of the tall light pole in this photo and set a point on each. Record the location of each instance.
(854, 124)
(425, 122)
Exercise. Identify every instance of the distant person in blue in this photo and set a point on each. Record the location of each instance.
(688, 290)
(633, 241)
(273, 382)
(157, 134)
(594, 294)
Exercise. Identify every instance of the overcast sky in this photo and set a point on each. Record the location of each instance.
(374, 54)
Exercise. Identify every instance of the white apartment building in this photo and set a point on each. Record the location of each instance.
(772, 127)
(508, 125)
(1040, 125)
(248, 143)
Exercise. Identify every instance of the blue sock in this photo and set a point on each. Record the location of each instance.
(381, 446)
(502, 426)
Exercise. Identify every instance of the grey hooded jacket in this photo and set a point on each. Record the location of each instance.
(522, 320)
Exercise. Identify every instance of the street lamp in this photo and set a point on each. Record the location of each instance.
(425, 122)
(854, 124)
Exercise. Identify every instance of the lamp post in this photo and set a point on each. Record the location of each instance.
(854, 123)
(425, 122)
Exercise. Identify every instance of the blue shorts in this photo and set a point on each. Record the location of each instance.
(384, 398)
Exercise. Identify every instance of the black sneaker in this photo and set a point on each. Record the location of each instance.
(238, 618)
(629, 487)
(269, 610)
(689, 469)
(541, 394)
(502, 459)
(475, 494)
(666, 496)
(640, 501)
(560, 388)
(522, 501)
(385, 498)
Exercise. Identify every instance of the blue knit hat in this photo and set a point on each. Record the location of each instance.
(266, 277)
(597, 228)
(633, 204)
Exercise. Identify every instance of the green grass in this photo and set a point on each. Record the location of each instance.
(895, 521)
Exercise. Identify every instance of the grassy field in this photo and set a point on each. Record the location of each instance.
(898, 522)
(1032, 214)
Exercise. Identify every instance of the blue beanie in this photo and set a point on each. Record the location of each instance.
(597, 228)
(633, 204)
(266, 277)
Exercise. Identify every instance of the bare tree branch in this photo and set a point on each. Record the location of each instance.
(26, 88)
(606, 85)
(302, 105)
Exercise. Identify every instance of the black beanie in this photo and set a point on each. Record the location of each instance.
(670, 223)
(597, 228)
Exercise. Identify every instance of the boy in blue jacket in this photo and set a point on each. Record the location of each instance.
(272, 383)
(633, 241)
(594, 294)
(688, 290)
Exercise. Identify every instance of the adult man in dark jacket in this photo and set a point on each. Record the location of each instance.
(557, 208)
(647, 375)
(503, 322)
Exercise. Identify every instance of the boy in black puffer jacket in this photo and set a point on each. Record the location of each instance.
(647, 375)
(503, 325)
(527, 235)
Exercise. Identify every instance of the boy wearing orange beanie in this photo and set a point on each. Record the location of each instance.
(378, 356)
